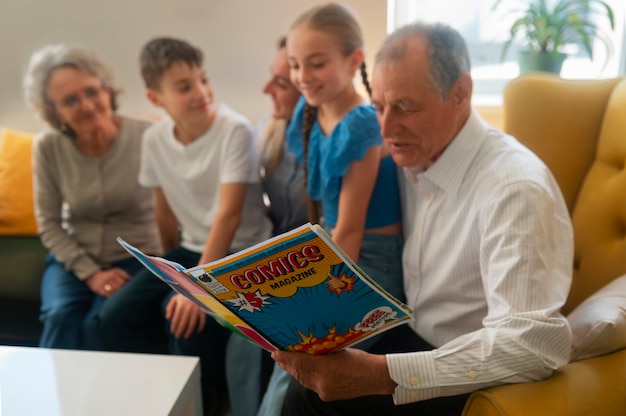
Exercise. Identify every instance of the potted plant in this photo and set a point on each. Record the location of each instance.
(545, 27)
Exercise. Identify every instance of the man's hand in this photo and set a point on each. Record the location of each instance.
(107, 282)
(342, 375)
(186, 317)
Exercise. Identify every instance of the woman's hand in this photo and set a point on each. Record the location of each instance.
(107, 282)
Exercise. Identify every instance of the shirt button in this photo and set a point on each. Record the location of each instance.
(471, 374)
(426, 197)
(417, 236)
(414, 381)
(413, 395)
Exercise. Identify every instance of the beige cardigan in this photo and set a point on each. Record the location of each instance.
(103, 200)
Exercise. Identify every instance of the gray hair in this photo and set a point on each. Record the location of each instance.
(45, 61)
(447, 52)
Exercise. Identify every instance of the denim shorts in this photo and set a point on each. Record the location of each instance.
(381, 258)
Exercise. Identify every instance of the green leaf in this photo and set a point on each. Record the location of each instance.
(541, 27)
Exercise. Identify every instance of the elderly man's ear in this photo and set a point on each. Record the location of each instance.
(462, 90)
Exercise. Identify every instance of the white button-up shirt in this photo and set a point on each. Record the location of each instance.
(487, 266)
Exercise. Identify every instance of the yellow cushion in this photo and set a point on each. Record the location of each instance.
(559, 120)
(17, 216)
(600, 214)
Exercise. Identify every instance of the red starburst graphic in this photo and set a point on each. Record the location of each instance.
(340, 284)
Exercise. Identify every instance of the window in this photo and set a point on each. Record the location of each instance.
(485, 32)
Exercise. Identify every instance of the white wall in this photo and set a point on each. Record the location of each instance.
(238, 38)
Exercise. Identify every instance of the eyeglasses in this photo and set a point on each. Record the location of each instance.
(72, 102)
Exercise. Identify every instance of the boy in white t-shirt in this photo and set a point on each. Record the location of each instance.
(202, 163)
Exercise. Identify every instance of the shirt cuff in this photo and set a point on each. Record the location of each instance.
(415, 375)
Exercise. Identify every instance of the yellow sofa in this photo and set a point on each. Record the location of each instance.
(578, 128)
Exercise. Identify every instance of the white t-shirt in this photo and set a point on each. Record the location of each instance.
(191, 176)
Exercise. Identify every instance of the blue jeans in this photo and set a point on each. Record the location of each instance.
(69, 309)
(272, 402)
(134, 321)
(243, 373)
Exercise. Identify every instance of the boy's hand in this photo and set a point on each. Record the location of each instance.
(186, 317)
(342, 375)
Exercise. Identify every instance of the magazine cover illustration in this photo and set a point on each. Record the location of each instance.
(302, 293)
(173, 274)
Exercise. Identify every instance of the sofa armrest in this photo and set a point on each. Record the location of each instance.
(596, 386)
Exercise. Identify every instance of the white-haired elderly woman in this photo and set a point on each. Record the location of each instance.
(86, 192)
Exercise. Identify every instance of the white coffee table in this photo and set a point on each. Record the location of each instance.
(39, 381)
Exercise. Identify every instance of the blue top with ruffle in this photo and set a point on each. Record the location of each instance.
(330, 156)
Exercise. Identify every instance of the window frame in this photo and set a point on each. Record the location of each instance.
(488, 84)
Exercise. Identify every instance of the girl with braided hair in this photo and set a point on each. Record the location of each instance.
(350, 176)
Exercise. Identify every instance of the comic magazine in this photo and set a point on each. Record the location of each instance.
(297, 291)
